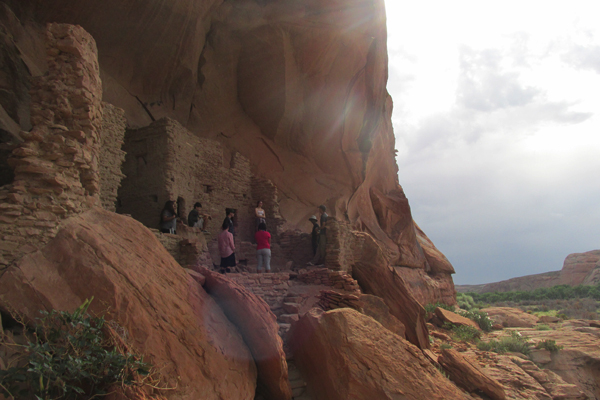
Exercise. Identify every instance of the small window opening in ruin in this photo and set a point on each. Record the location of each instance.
(118, 202)
(244, 195)
(154, 198)
(208, 188)
(181, 209)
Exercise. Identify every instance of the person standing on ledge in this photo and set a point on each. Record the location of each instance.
(322, 244)
(168, 218)
(314, 235)
(230, 213)
(263, 248)
(198, 219)
(226, 248)
(260, 214)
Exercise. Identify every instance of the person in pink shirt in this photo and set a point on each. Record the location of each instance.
(263, 248)
(226, 248)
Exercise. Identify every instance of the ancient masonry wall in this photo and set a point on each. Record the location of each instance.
(166, 162)
(264, 190)
(56, 167)
(327, 277)
(271, 287)
(296, 246)
(111, 155)
(340, 245)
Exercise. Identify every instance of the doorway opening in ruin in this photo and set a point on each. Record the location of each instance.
(7, 175)
(181, 209)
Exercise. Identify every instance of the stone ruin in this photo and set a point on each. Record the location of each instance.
(56, 164)
(80, 154)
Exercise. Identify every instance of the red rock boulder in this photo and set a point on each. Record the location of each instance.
(169, 318)
(345, 355)
(454, 318)
(258, 326)
(468, 375)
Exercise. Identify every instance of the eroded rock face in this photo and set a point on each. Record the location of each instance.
(581, 269)
(346, 355)
(578, 362)
(169, 317)
(375, 276)
(296, 87)
(468, 375)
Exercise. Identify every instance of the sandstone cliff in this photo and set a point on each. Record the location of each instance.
(297, 88)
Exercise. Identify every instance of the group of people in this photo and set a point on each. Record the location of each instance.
(225, 239)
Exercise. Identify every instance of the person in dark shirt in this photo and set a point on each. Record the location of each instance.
(196, 218)
(168, 218)
(229, 219)
(322, 243)
(314, 235)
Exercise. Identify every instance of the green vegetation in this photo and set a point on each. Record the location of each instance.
(430, 308)
(465, 333)
(513, 343)
(549, 345)
(465, 301)
(70, 356)
(480, 317)
(542, 327)
(445, 346)
(559, 292)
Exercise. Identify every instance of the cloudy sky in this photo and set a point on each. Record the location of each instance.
(497, 124)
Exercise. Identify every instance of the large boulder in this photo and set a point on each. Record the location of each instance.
(169, 318)
(468, 375)
(510, 317)
(375, 276)
(345, 355)
(376, 308)
(258, 326)
(454, 318)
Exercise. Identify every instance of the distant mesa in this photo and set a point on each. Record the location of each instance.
(578, 269)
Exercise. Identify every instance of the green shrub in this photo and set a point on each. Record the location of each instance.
(543, 327)
(465, 301)
(513, 343)
(72, 356)
(480, 317)
(465, 333)
(445, 346)
(430, 308)
(548, 344)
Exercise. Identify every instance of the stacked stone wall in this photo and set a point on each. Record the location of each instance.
(167, 162)
(271, 287)
(111, 155)
(56, 167)
(340, 246)
(330, 300)
(264, 190)
(327, 277)
(297, 247)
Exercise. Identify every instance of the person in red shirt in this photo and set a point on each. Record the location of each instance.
(226, 247)
(263, 248)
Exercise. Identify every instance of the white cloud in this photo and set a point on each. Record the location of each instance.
(497, 132)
